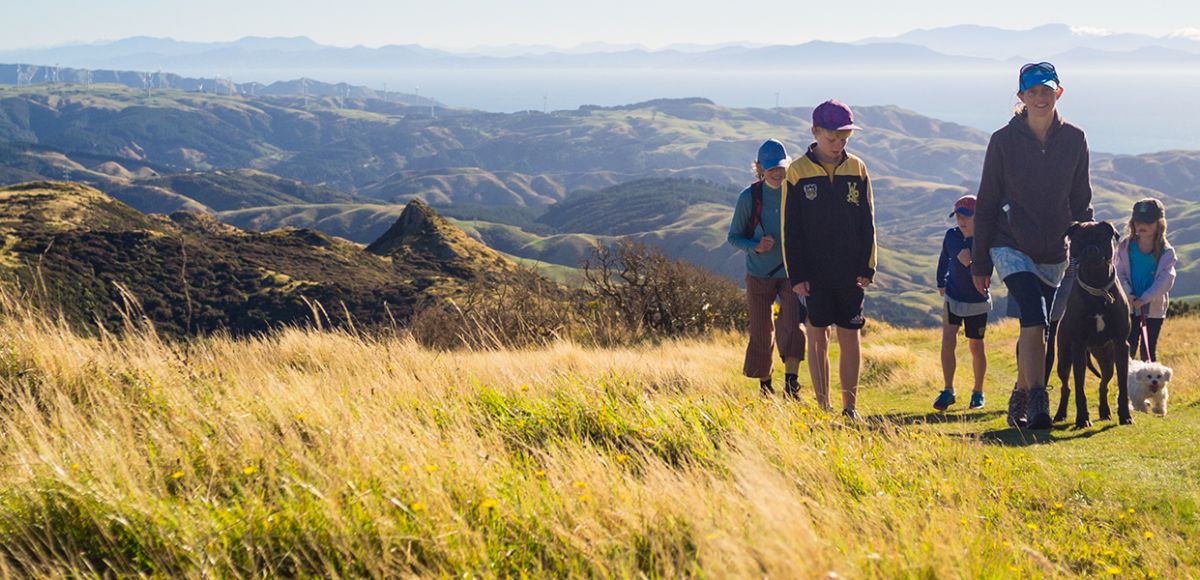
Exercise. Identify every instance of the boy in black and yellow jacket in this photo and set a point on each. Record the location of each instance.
(829, 247)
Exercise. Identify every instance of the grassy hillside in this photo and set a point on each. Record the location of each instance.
(644, 205)
(644, 170)
(362, 223)
(240, 189)
(100, 262)
(306, 453)
(514, 159)
(1175, 173)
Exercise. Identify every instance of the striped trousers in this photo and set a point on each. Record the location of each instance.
(768, 332)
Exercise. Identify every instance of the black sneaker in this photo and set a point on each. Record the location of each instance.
(851, 415)
(1039, 408)
(1017, 403)
(791, 389)
(765, 389)
(944, 400)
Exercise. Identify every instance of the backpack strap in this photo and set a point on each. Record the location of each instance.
(756, 196)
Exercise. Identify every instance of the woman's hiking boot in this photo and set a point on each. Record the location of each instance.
(764, 388)
(1018, 402)
(1039, 408)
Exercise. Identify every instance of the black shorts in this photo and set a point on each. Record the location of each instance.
(973, 326)
(840, 306)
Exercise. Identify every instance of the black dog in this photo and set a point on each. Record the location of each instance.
(1095, 323)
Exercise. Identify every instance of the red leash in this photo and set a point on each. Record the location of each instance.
(1145, 338)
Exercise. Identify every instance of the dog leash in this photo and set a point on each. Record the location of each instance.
(1145, 338)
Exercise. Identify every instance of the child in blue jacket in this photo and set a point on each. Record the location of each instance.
(964, 305)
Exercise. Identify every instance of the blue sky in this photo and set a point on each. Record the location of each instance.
(467, 23)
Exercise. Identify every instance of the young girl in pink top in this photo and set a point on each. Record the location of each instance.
(1145, 264)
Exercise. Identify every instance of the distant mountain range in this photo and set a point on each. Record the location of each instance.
(31, 74)
(1048, 41)
(973, 68)
(961, 46)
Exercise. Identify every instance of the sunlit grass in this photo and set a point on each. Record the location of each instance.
(328, 454)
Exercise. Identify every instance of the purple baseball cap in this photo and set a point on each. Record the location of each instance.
(834, 115)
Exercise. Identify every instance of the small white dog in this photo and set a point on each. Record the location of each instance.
(1148, 386)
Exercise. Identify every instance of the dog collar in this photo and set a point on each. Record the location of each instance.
(1099, 292)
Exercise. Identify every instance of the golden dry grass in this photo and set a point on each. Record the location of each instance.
(316, 453)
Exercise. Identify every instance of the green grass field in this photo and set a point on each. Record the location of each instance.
(323, 454)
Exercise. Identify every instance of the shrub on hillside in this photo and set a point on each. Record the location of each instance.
(649, 294)
(523, 310)
(632, 293)
(1183, 308)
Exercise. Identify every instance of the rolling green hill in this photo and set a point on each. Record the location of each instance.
(690, 219)
(240, 189)
(1174, 173)
(351, 147)
(665, 171)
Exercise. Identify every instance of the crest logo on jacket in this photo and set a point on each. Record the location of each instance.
(810, 190)
(852, 197)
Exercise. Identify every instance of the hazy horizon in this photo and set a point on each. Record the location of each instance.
(465, 24)
(596, 43)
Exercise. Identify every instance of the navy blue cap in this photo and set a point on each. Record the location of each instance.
(1148, 210)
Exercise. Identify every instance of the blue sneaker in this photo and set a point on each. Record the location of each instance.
(944, 400)
(976, 400)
